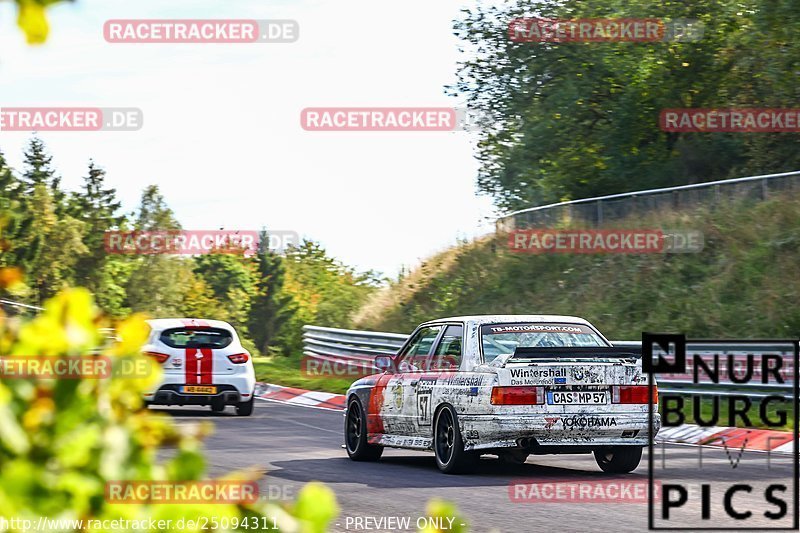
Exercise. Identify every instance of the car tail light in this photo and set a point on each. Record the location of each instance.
(632, 394)
(239, 358)
(160, 357)
(517, 395)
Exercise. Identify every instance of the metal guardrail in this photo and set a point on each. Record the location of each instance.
(109, 334)
(17, 305)
(358, 349)
(601, 209)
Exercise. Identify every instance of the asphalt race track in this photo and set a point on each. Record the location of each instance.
(295, 445)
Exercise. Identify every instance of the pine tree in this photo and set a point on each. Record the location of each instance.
(38, 165)
(97, 207)
(8, 182)
(271, 308)
(39, 170)
(10, 215)
(154, 213)
(19, 247)
(58, 245)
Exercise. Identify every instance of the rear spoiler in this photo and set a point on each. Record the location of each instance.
(577, 352)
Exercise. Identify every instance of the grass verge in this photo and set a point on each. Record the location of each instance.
(286, 371)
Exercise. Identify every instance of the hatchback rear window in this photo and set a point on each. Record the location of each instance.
(196, 338)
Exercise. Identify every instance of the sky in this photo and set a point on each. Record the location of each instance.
(222, 135)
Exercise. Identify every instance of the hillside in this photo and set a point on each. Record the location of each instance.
(745, 282)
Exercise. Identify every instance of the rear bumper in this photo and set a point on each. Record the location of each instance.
(559, 430)
(171, 395)
(231, 389)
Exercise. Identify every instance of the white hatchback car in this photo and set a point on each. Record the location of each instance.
(204, 363)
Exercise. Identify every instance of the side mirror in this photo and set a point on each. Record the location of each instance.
(384, 363)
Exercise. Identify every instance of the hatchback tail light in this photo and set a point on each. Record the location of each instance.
(517, 395)
(160, 357)
(239, 358)
(628, 394)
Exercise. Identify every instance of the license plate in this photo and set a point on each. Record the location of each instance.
(192, 389)
(577, 397)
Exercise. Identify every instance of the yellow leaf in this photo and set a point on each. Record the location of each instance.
(10, 276)
(445, 518)
(316, 506)
(31, 18)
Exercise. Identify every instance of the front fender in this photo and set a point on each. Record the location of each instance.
(362, 389)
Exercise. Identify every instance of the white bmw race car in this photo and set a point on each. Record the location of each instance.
(506, 385)
(204, 363)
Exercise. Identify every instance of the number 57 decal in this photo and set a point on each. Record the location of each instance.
(423, 409)
(424, 390)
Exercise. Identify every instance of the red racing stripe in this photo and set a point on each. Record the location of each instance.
(190, 374)
(196, 324)
(375, 408)
(207, 367)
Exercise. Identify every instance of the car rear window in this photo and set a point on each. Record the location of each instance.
(504, 339)
(196, 338)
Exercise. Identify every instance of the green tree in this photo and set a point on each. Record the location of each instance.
(9, 184)
(96, 206)
(231, 280)
(57, 241)
(10, 213)
(572, 120)
(154, 214)
(271, 307)
(112, 280)
(158, 283)
(24, 243)
(324, 292)
(39, 170)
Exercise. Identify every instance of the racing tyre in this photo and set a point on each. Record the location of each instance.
(618, 459)
(244, 408)
(218, 407)
(355, 434)
(448, 446)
